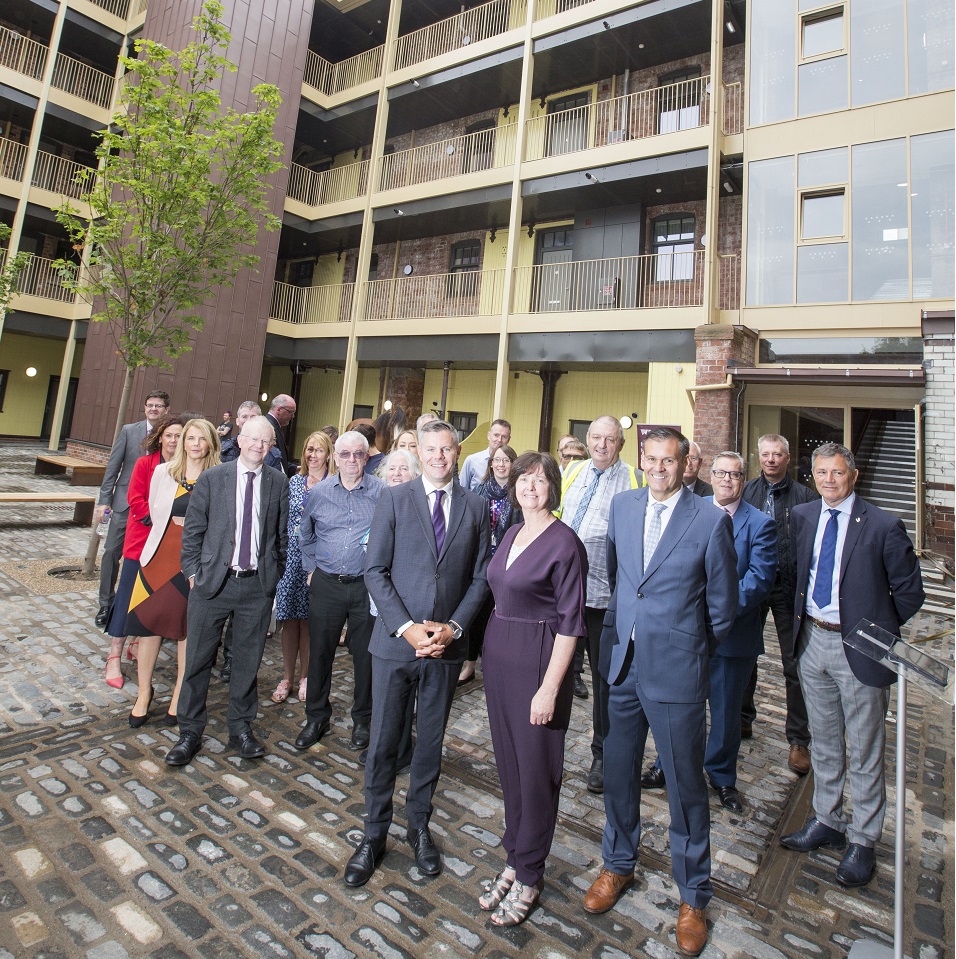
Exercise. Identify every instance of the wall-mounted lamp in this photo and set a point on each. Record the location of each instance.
(530, 229)
(591, 177)
(728, 186)
(626, 422)
(605, 24)
(399, 212)
(678, 368)
(387, 406)
(415, 83)
(730, 27)
(264, 397)
(31, 371)
(338, 258)
(492, 233)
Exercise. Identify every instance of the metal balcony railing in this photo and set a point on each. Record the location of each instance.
(59, 175)
(653, 281)
(728, 281)
(83, 81)
(469, 153)
(472, 293)
(21, 54)
(330, 186)
(732, 114)
(548, 8)
(13, 158)
(332, 78)
(119, 8)
(40, 278)
(461, 30)
(312, 304)
(647, 113)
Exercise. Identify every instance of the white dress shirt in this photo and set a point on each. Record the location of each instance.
(831, 612)
(666, 514)
(240, 507)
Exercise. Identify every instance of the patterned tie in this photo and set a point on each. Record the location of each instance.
(768, 506)
(823, 585)
(245, 533)
(586, 500)
(653, 536)
(438, 521)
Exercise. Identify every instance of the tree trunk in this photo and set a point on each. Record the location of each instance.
(93, 547)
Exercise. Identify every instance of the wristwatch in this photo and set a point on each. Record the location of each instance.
(456, 630)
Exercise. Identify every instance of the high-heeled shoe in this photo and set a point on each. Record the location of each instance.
(170, 719)
(120, 680)
(132, 650)
(137, 721)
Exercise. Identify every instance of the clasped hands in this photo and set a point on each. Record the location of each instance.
(428, 639)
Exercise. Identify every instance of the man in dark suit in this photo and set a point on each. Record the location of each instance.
(127, 449)
(670, 559)
(428, 549)
(281, 414)
(234, 549)
(691, 478)
(854, 562)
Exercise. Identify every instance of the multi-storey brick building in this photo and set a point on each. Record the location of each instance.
(728, 217)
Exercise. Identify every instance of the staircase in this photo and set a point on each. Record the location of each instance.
(886, 459)
(938, 583)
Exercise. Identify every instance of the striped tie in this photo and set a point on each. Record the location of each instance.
(586, 500)
(653, 536)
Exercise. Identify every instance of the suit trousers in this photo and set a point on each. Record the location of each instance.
(594, 623)
(679, 731)
(842, 711)
(798, 730)
(394, 684)
(110, 559)
(332, 605)
(729, 676)
(204, 622)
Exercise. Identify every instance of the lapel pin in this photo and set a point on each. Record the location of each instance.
(858, 519)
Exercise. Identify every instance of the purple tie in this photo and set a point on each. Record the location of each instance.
(438, 521)
(245, 534)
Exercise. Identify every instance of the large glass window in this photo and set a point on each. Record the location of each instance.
(877, 55)
(770, 232)
(773, 53)
(821, 34)
(679, 101)
(806, 428)
(822, 86)
(823, 273)
(931, 197)
(674, 245)
(464, 264)
(929, 39)
(880, 222)
(822, 215)
(823, 167)
(841, 350)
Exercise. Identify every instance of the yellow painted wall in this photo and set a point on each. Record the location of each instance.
(274, 380)
(328, 270)
(667, 400)
(25, 396)
(319, 400)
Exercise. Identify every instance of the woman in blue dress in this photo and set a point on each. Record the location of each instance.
(292, 593)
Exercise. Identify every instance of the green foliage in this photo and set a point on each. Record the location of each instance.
(179, 198)
(10, 269)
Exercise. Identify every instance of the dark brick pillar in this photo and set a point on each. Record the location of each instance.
(719, 349)
(406, 388)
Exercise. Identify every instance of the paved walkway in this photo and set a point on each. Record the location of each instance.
(109, 853)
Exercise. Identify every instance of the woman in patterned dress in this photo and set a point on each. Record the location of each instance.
(292, 593)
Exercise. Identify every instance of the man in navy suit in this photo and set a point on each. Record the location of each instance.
(854, 562)
(671, 560)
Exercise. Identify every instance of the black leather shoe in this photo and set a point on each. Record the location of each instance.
(580, 689)
(596, 777)
(247, 745)
(746, 730)
(184, 750)
(102, 615)
(360, 736)
(311, 733)
(857, 866)
(360, 867)
(226, 672)
(729, 797)
(426, 852)
(814, 835)
(653, 778)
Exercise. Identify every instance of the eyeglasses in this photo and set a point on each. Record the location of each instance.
(256, 443)
(349, 455)
(155, 406)
(733, 474)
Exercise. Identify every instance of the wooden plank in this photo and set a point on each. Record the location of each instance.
(83, 509)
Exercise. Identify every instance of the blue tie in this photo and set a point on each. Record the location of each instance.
(586, 501)
(823, 585)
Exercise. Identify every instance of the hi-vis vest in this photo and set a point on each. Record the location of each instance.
(571, 475)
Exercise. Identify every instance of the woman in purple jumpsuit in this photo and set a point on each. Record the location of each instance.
(538, 577)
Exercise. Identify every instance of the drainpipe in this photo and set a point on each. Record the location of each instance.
(444, 389)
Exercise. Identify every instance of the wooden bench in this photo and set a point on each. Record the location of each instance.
(83, 503)
(84, 473)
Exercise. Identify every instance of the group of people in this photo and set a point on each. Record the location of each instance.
(661, 579)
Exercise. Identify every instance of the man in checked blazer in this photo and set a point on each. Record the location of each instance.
(234, 551)
(428, 549)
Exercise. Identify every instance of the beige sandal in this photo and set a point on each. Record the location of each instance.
(494, 891)
(282, 691)
(514, 910)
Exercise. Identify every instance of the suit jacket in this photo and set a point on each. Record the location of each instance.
(407, 578)
(127, 449)
(700, 488)
(681, 607)
(137, 495)
(755, 542)
(162, 492)
(880, 579)
(280, 442)
(209, 534)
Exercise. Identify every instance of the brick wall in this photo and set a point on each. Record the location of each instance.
(938, 450)
(88, 451)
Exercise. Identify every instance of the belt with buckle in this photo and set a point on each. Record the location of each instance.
(342, 578)
(242, 573)
(823, 624)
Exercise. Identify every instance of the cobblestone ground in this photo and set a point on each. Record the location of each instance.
(109, 853)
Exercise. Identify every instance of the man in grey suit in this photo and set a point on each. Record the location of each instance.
(428, 549)
(127, 449)
(234, 550)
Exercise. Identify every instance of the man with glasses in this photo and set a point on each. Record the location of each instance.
(230, 447)
(334, 526)
(127, 449)
(281, 414)
(691, 479)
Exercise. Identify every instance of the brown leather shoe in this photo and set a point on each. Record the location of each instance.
(799, 759)
(606, 890)
(691, 930)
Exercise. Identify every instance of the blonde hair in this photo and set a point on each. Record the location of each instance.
(326, 444)
(177, 463)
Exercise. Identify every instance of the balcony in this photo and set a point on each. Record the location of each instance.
(648, 113)
(40, 278)
(457, 156)
(22, 55)
(728, 281)
(331, 186)
(13, 158)
(462, 30)
(119, 8)
(82, 81)
(59, 175)
(332, 78)
(437, 295)
(312, 304)
(732, 115)
(653, 281)
(548, 8)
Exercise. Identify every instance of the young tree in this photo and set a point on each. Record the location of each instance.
(177, 201)
(10, 269)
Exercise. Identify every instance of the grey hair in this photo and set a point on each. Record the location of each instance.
(828, 450)
(249, 405)
(695, 448)
(664, 434)
(438, 426)
(262, 423)
(348, 436)
(774, 438)
(612, 420)
(730, 455)
(410, 458)
(427, 417)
